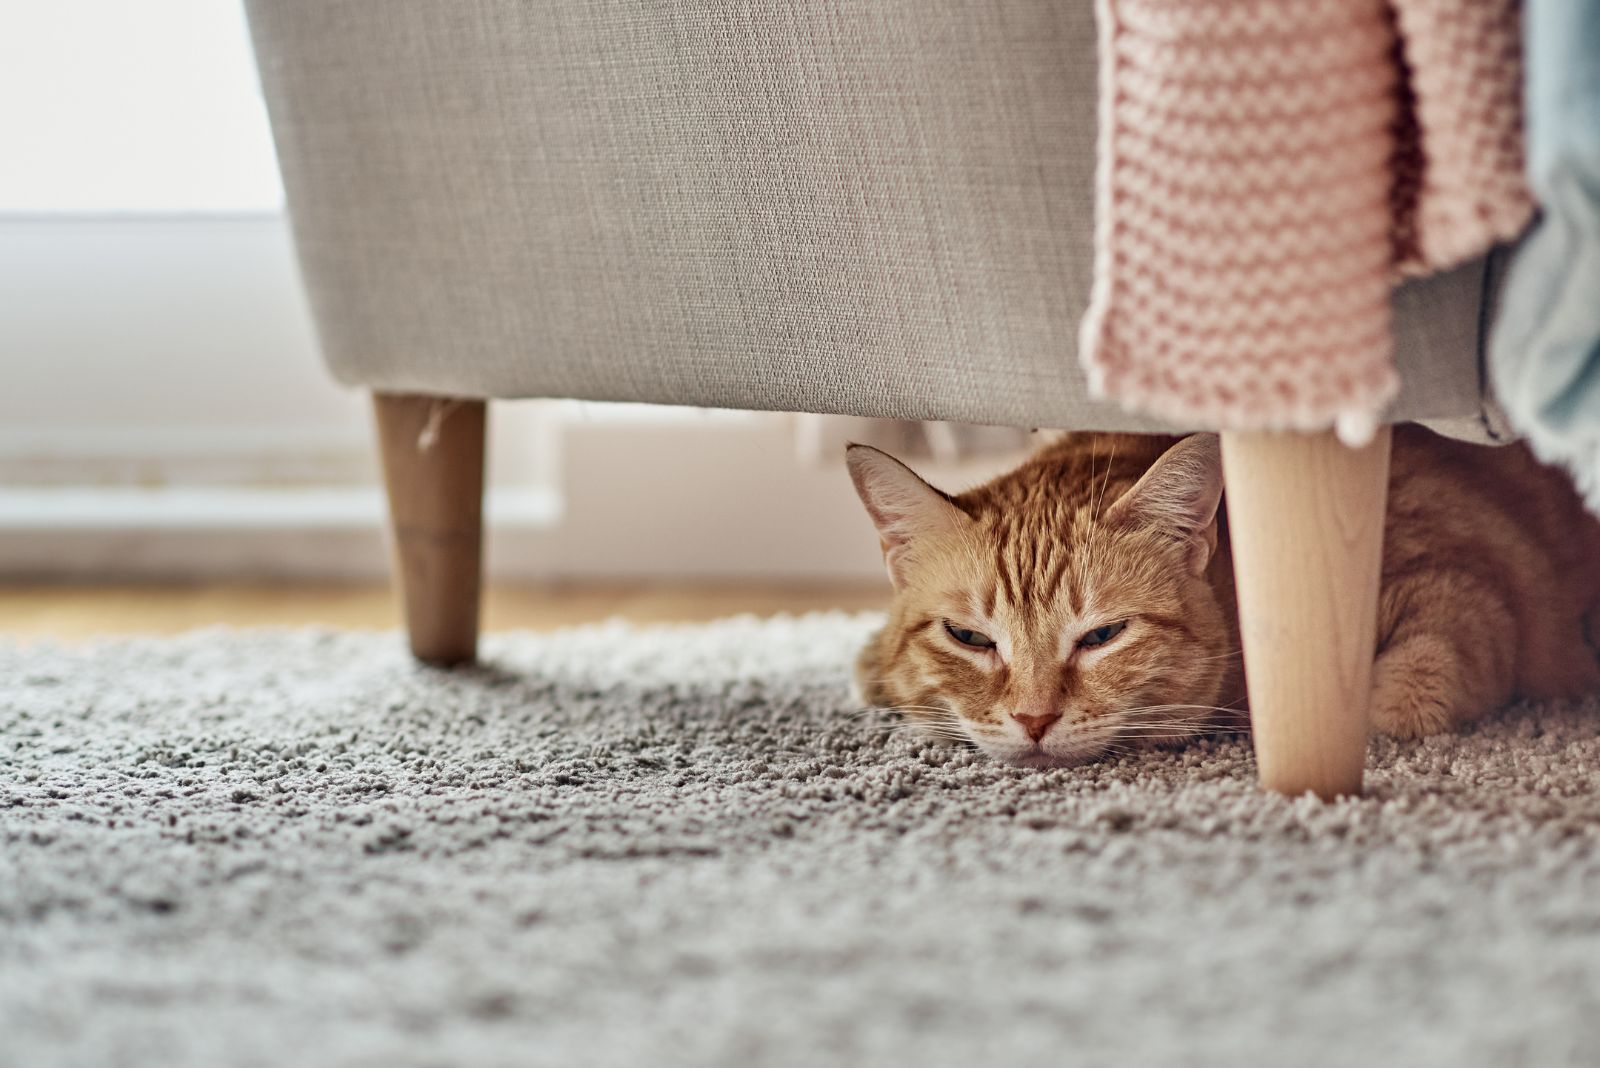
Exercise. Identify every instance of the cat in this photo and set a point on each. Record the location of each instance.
(1083, 603)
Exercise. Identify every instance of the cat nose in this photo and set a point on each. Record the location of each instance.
(1036, 725)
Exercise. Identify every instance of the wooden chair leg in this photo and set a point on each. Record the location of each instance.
(432, 450)
(1305, 516)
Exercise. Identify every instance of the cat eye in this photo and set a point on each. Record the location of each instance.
(1101, 635)
(970, 638)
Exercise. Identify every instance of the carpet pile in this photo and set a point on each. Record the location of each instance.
(678, 845)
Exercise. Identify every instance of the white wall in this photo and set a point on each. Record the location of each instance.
(132, 106)
(140, 335)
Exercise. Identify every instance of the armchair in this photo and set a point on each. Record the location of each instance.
(875, 209)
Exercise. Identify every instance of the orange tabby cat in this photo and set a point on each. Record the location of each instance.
(1084, 602)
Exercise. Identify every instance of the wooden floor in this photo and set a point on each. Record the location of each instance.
(75, 613)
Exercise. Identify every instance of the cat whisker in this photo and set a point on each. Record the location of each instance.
(927, 735)
(928, 725)
(1180, 704)
(899, 707)
(1095, 509)
(944, 722)
(1175, 728)
(1167, 734)
(1104, 481)
(1148, 710)
(893, 709)
(949, 723)
(1155, 719)
(1134, 730)
(1168, 722)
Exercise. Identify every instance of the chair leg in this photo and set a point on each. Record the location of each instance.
(432, 450)
(1305, 516)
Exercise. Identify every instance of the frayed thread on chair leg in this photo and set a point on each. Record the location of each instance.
(438, 411)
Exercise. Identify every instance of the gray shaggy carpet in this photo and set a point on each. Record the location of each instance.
(677, 846)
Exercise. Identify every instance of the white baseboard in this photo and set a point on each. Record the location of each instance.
(216, 509)
(715, 500)
(141, 457)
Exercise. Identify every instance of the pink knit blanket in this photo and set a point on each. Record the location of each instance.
(1269, 170)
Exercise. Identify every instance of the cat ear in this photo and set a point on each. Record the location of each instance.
(1179, 495)
(902, 506)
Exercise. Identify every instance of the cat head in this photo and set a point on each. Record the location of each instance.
(1062, 611)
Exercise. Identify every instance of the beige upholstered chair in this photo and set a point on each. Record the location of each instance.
(874, 208)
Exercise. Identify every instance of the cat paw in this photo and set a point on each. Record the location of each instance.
(1415, 689)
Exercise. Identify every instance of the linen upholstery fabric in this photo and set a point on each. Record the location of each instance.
(875, 209)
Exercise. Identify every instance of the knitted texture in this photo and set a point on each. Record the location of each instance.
(1464, 178)
(1268, 171)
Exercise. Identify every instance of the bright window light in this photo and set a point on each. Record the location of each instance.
(132, 106)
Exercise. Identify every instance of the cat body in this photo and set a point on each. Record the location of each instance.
(1083, 603)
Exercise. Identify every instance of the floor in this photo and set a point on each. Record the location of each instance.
(74, 613)
(690, 848)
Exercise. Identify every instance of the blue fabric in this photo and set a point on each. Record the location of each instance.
(1544, 354)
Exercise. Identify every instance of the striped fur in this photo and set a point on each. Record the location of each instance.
(1490, 584)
